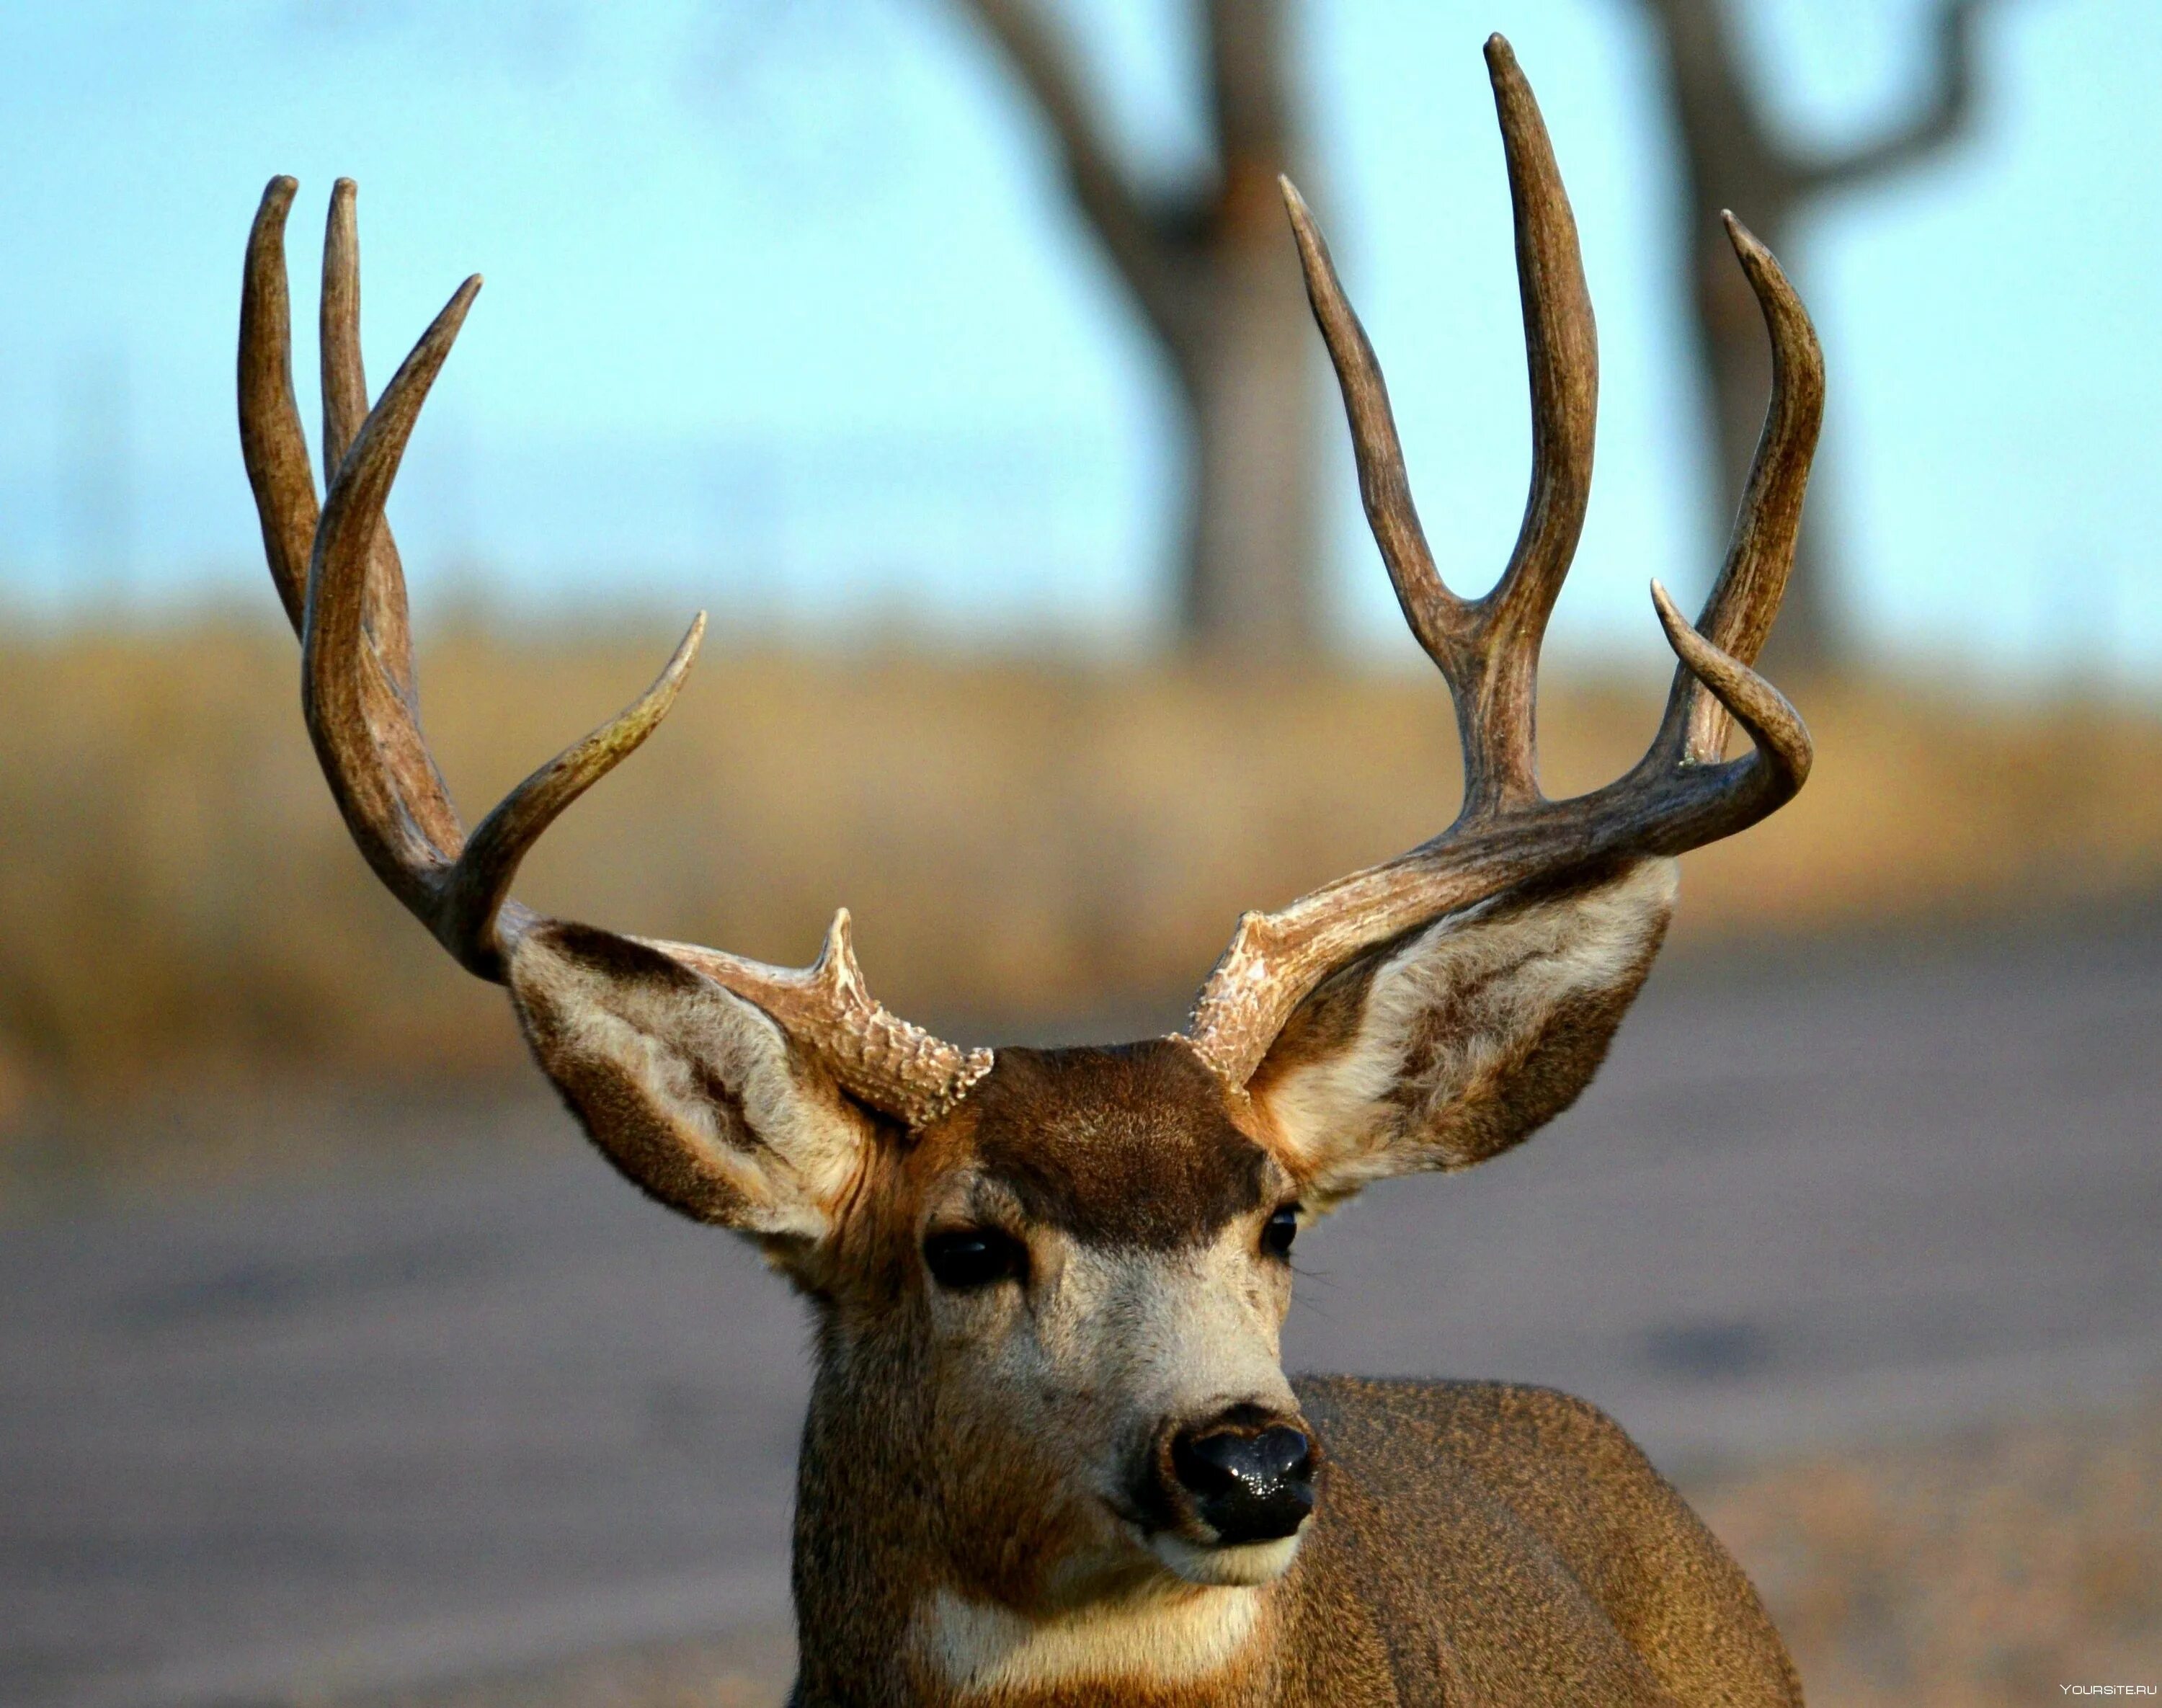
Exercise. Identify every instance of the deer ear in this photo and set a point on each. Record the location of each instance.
(698, 1096)
(1463, 1038)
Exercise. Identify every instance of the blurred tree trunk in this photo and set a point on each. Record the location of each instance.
(1732, 159)
(1211, 268)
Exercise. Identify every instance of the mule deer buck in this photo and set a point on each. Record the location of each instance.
(1051, 1455)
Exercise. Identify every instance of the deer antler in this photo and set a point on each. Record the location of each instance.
(339, 575)
(1681, 794)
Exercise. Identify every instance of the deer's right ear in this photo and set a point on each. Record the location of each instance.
(1463, 1038)
(698, 1096)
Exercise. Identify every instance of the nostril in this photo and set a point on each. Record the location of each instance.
(1247, 1486)
(1207, 1465)
(1283, 1452)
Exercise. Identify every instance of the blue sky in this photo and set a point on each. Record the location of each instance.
(785, 317)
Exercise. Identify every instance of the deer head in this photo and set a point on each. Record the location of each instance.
(1049, 1283)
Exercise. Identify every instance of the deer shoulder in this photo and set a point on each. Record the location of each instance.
(1592, 1579)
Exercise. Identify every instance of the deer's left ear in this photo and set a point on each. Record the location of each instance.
(1452, 1044)
(699, 1096)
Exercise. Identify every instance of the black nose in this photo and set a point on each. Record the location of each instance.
(1248, 1485)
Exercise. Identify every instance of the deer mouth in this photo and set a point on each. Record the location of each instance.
(1189, 1553)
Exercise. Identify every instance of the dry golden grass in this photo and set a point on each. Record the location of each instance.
(1020, 842)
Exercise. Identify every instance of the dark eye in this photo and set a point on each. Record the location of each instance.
(967, 1258)
(1282, 1229)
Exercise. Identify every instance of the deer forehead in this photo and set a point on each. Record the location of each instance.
(1130, 1147)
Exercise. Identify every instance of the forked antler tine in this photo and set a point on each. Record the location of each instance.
(273, 443)
(365, 733)
(345, 407)
(1436, 617)
(473, 900)
(1487, 649)
(1738, 613)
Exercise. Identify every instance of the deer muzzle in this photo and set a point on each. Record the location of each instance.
(1233, 1491)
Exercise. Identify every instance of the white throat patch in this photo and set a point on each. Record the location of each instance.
(977, 1648)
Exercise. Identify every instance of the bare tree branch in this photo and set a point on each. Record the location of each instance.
(1718, 113)
(1248, 99)
(1732, 156)
(1941, 119)
(1140, 236)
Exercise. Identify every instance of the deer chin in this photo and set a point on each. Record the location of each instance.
(1113, 1650)
(1246, 1565)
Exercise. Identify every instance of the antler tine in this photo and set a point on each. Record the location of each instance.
(1738, 611)
(390, 625)
(272, 442)
(345, 376)
(365, 733)
(1724, 798)
(1561, 349)
(1681, 795)
(478, 893)
(826, 1006)
(1437, 617)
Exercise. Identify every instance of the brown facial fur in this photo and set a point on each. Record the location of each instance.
(1130, 1146)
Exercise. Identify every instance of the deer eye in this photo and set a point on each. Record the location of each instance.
(965, 1259)
(1280, 1230)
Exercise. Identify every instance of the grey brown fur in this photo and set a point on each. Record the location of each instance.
(1591, 1579)
(1006, 1492)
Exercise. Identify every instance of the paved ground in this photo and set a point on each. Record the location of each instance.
(367, 1435)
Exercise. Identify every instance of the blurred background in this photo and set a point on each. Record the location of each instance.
(952, 354)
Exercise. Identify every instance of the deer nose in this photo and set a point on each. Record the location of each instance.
(1246, 1483)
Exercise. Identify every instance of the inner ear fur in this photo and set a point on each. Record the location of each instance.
(1461, 1039)
(698, 1096)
